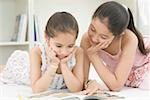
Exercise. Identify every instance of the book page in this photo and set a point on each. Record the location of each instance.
(61, 95)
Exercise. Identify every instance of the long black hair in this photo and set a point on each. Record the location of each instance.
(118, 19)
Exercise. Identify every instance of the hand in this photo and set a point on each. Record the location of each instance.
(64, 60)
(91, 88)
(93, 50)
(51, 57)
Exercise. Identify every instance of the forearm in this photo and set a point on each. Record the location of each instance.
(72, 82)
(109, 78)
(44, 82)
(86, 68)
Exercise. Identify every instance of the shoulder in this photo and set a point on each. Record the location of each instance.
(79, 51)
(85, 37)
(35, 51)
(129, 39)
(85, 41)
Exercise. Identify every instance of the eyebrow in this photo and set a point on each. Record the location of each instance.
(62, 44)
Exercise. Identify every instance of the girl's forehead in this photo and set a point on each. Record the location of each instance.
(100, 26)
(64, 38)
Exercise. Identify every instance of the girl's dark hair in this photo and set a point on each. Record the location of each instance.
(61, 22)
(118, 18)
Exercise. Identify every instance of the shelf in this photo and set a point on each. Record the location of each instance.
(13, 43)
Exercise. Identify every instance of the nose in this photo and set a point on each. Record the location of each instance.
(95, 39)
(64, 52)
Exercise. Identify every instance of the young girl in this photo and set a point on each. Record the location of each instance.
(116, 50)
(58, 64)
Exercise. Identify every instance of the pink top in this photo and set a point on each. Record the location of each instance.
(141, 61)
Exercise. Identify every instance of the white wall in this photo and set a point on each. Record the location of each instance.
(141, 12)
(7, 19)
(143, 16)
(9, 9)
(81, 9)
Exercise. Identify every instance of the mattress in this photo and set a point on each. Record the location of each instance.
(16, 92)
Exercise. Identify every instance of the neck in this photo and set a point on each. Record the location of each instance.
(115, 46)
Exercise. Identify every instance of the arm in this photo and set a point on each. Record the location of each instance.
(39, 82)
(74, 79)
(1, 68)
(115, 81)
(86, 63)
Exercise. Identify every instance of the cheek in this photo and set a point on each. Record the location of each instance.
(93, 40)
(55, 48)
(71, 49)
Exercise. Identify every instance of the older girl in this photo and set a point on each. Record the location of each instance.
(116, 49)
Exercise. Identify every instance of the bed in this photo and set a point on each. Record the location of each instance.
(16, 92)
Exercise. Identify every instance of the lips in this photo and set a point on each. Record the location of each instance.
(60, 57)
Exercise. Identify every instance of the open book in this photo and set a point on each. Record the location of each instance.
(58, 95)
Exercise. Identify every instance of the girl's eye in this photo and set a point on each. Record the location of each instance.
(103, 37)
(70, 46)
(58, 46)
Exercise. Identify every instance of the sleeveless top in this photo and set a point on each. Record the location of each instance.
(140, 66)
(58, 81)
(17, 69)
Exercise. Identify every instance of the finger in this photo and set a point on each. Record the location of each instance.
(104, 45)
(84, 92)
(48, 52)
(93, 91)
(88, 90)
(68, 57)
(71, 54)
(98, 85)
(52, 52)
(79, 93)
(99, 44)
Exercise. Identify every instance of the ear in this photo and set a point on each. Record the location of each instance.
(47, 39)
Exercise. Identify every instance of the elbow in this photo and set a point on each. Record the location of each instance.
(76, 88)
(37, 90)
(116, 87)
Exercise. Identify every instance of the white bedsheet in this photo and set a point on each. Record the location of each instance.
(13, 92)
(133, 94)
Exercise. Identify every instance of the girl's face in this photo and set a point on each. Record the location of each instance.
(63, 44)
(99, 33)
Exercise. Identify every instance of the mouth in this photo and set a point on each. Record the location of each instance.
(61, 57)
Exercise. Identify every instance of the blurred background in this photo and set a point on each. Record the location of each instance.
(22, 22)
